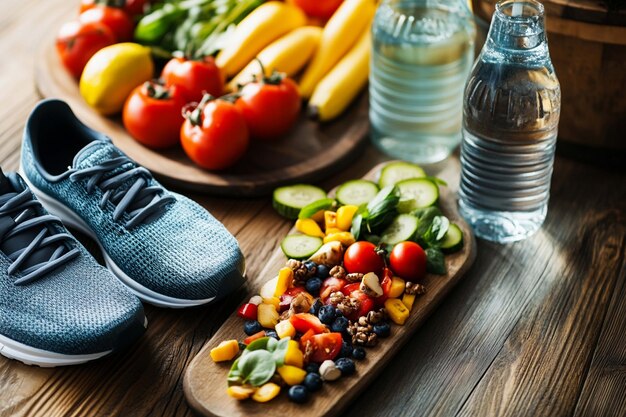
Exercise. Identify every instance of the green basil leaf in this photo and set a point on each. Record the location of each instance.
(280, 351)
(259, 344)
(257, 367)
(435, 262)
(271, 344)
(234, 375)
(438, 229)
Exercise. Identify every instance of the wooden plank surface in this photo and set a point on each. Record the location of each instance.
(510, 337)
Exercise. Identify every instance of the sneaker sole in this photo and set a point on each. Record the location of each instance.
(71, 219)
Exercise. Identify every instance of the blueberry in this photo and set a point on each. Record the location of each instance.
(382, 330)
(326, 314)
(346, 350)
(358, 353)
(271, 333)
(315, 308)
(251, 327)
(346, 366)
(322, 271)
(298, 394)
(340, 325)
(311, 266)
(313, 286)
(313, 382)
(338, 312)
(313, 368)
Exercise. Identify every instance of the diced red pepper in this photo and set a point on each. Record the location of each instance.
(254, 337)
(303, 322)
(248, 311)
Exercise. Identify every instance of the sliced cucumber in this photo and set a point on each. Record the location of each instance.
(394, 172)
(309, 210)
(356, 192)
(289, 200)
(453, 240)
(402, 228)
(300, 246)
(422, 190)
(406, 205)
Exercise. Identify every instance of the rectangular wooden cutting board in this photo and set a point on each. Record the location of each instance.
(205, 381)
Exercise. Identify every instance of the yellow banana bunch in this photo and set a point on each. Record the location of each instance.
(339, 35)
(288, 54)
(265, 24)
(339, 87)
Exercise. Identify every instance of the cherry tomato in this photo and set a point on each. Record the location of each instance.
(115, 19)
(248, 311)
(408, 261)
(214, 135)
(271, 106)
(361, 257)
(194, 78)
(322, 9)
(329, 286)
(287, 297)
(135, 7)
(132, 7)
(303, 322)
(77, 42)
(366, 303)
(324, 346)
(152, 115)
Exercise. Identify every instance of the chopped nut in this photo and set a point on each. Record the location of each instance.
(301, 303)
(355, 277)
(375, 317)
(329, 371)
(300, 272)
(338, 272)
(413, 288)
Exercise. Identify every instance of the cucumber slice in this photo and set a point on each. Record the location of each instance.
(300, 246)
(406, 205)
(402, 228)
(394, 172)
(422, 190)
(356, 192)
(453, 239)
(309, 210)
(289, 200)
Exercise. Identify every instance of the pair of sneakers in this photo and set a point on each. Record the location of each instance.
(58, 306)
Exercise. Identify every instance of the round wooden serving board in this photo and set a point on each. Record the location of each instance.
(205, 381)
(310, 152)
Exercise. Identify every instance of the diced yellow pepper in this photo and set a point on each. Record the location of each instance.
(269, 288)
(345, 215)
(330, 220)
(291, 374)
(225, 351)
(309, 227)
(267, 315)
(408, 300)
(294, 355)
(285, 329)
(397, 287)
(266, 392)
(333, 230)
(345, 238)
(239, 392)
(319, 216)
(275, 301)
(285, 279)
(397, 310)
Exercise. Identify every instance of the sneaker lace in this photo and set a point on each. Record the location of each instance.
(24, 204)
(139, 200)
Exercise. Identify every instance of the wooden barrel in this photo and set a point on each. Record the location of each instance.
(588, 49)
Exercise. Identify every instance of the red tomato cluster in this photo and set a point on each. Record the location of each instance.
(100, 23)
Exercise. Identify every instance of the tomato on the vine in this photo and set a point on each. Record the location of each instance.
(77, 42)
(362, 257)
(194, 77)
(271, 105)
(322, 9)
(153, 115)
(324, 346)
(408, 260)
(115, 19)
(214, 134)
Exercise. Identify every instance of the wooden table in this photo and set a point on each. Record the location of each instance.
(536, 328)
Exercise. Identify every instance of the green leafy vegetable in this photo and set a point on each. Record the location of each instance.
(256, 367)
(280, 351)
(377, 214)
(435, 262)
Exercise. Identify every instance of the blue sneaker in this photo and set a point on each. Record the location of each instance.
(166, 248)
(58, 306)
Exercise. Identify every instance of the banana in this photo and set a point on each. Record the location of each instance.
(339, 35)
(265, 24)
(288, 54)
(341, 85)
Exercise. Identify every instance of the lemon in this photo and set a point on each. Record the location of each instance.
(112, 73)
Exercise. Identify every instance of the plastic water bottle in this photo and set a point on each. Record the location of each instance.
(510, 117)
(423, 51)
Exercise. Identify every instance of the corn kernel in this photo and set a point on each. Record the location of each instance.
(397, 287)
(397, 310)
(309, 227)
(345, 214)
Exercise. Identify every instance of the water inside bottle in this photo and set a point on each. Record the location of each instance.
(420, 62)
